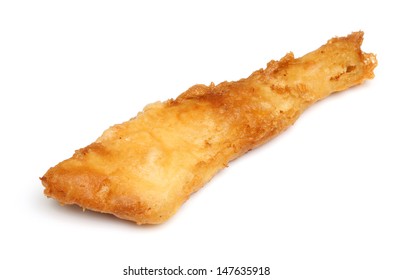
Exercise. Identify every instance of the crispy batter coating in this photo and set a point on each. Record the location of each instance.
(144, 169)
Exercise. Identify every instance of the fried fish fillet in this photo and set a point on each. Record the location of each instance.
(144, 169)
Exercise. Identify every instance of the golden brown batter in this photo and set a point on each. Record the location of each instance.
(144, 169)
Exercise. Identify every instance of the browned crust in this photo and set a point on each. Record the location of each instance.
(144, 169)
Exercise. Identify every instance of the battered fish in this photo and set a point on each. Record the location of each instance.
(144, 169)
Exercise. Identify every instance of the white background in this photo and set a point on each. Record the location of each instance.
(314, 203)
